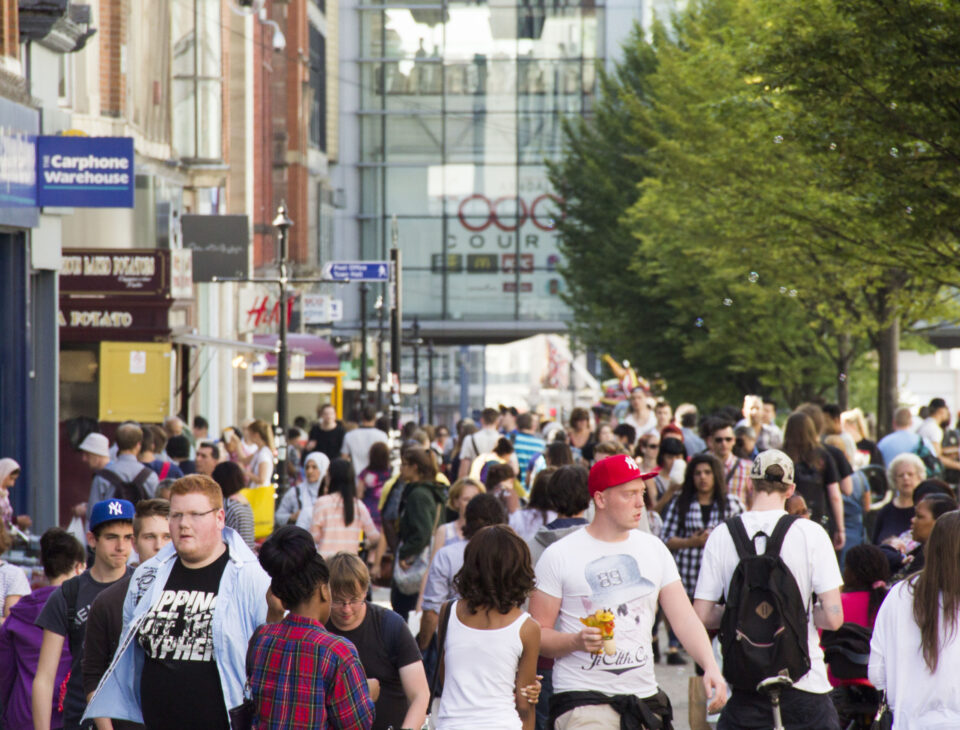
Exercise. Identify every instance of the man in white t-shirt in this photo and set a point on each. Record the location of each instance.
(357, 443)
(808, 554)
(640, 415)
(610, 566)
(479, 442)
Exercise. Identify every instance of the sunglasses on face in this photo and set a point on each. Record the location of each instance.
(723, 439)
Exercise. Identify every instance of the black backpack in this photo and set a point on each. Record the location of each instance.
(132, 491)
(763, 631)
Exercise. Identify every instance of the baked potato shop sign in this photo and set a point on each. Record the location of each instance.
(122, 293)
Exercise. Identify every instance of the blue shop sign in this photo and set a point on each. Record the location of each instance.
(18, 165)
(85, 172)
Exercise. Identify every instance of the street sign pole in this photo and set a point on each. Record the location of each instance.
(282, 223)
(364, 289)
(396, 323)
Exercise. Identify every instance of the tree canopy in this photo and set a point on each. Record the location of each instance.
(724, 226)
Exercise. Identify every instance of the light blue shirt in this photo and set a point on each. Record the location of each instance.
(896, 443)
(241, 607)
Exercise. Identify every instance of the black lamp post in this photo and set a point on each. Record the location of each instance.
(282, 223)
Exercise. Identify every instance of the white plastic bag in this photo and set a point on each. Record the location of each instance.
(78, 530)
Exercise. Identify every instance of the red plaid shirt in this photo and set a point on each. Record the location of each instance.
(302, 676)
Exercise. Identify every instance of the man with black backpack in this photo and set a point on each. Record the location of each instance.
(125, 477)
(768, 565)
(64, 616)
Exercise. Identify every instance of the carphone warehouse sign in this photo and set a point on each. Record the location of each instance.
(85, 172)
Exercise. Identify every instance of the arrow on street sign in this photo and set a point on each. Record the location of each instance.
(356, 271)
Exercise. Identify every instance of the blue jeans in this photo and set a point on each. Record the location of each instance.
(543, 704)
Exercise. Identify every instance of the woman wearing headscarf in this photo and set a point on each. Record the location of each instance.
(9, 472)
(296, 506)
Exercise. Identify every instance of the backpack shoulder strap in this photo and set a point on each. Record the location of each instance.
(70, 589)
(733, 470)
(140, 480)
(112, 477)
(741, 540)
(164, 470)
(779, 533)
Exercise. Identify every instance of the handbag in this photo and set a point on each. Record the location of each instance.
(408, 580)
(241, 716)
(884, 717)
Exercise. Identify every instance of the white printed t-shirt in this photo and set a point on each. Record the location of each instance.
(807, 552)
(624, 577)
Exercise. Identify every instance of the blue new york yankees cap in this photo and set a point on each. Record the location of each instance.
(110, 510)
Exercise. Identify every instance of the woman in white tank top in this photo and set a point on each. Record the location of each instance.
(491, 644)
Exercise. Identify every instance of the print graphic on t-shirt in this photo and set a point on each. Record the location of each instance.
(178, 628)
(617, 585)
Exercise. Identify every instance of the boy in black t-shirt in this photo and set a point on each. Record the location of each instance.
(384, 644)
(65, 613)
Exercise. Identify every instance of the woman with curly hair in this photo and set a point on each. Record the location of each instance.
(489, 636)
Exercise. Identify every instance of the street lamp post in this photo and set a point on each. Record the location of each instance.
(282, 223)
(363, 344)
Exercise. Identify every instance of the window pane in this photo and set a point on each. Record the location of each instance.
(184, 41)
(183, 118)
(208, 34)
(210, 120)
(482, 138)
(409, 193)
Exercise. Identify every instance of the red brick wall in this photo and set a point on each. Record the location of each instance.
(112, 32)
(9, 29)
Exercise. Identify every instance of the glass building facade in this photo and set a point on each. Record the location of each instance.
(460, 104)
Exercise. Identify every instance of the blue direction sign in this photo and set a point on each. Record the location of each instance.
(357, 270)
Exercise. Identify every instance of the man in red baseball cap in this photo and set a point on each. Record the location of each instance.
(612, 567)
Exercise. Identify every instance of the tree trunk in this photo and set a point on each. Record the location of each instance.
(888, 351)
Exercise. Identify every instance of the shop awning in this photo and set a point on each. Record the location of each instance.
(238, 345)
(320, 354)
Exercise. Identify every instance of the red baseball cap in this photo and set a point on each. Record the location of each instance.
(612, 472)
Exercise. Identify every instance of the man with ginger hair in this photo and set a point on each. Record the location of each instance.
(188, 616)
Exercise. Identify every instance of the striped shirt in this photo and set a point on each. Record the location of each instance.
(527, 447)
(737, 473)
(238, 514)
(330, 532)
(301, 675)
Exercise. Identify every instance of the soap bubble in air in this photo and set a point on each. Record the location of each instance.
(842, 377)
(698, 322)
(754, 277)
(793, 292)
(909, 210)
(894, 152)
(778, 139)
(727, 302)
(833, 145)
(783, 290)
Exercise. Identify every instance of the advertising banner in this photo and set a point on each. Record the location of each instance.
(85, 172)
(18, 164)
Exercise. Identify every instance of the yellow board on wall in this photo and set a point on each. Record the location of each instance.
(135, 381)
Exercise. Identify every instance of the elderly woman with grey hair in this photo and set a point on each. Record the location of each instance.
(905, 472)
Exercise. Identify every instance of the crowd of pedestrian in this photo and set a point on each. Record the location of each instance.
(529, 566)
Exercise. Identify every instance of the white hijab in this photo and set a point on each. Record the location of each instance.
(310, 490)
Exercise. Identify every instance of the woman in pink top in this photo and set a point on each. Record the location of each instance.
(340, 520)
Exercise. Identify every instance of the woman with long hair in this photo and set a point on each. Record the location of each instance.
(258, 464)
(908, 557)
(238, 513)
(489, 635)
(299, 674)
(296, 507)
(340, 520)
(915, 649)
(818, 480)
(702, 504)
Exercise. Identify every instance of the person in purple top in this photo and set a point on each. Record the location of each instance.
(63, 557)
